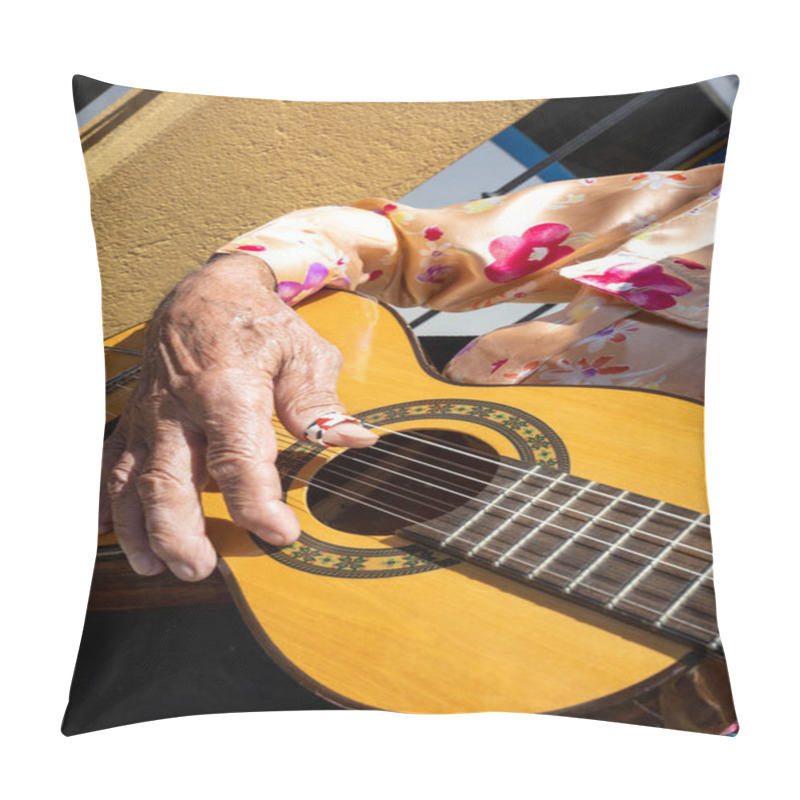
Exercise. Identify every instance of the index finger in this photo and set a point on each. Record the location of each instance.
(241, 448)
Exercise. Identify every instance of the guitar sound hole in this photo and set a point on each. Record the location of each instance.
(401, 480)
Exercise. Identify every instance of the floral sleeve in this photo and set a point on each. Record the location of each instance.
(616, 234)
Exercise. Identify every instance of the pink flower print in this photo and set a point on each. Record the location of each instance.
(434, 274)
(685, 262)
(432, 233)
(517, 256)
(497, 364)
(386, 210)
(254, 248)
(374, 275)
(291, 291)
(647, 287)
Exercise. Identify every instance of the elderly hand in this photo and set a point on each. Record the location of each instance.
(221, 349)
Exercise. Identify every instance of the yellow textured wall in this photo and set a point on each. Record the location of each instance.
(183, 174)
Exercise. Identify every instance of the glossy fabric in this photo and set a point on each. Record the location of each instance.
(629, 254)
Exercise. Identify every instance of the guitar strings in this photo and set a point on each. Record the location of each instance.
(498, 464)
(380, 507)
(473, 454)
(670, 543)
(530, 500)
(533, 500)
(607, 546)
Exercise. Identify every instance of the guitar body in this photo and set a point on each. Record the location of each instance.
(373, 619)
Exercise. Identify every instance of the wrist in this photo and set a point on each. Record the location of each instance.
(238, 268)
(227, 286)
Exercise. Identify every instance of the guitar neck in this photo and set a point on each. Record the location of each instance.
(634, 557)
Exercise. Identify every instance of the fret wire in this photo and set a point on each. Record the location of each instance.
(580, 532)
(524, 540)
(620, 596)
(481, 513)
(357, 497)
(549, 503)
(603, 556)
(647, 608)
(123, 350)
(483, 458)
(511, 519)
(684, 596)
(487, 507)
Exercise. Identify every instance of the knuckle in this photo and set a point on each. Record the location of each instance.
(118, 481)
(218, 396)
(227, 461)
(333, 356)
(314, 399)
(157, 484)
(165, 544)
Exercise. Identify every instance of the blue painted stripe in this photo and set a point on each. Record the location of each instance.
(528, 153)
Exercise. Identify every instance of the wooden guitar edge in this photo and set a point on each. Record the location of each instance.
(275, 653)
(639, 704)
(431, 371)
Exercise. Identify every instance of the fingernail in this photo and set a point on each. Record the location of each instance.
(350, 432)
(145, 563)
(275, 539)
(184, 572)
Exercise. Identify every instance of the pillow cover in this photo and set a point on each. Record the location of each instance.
(422, 429)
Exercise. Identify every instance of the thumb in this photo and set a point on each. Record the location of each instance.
(305, 390)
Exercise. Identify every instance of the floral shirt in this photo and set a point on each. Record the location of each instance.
(630, 255)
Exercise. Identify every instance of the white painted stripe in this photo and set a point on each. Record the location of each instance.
(474, 323)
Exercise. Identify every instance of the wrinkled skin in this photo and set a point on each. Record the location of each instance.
(222, 351)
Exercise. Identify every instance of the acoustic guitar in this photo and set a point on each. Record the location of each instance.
(519, 548)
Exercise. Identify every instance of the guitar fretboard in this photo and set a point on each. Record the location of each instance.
(638, 558)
